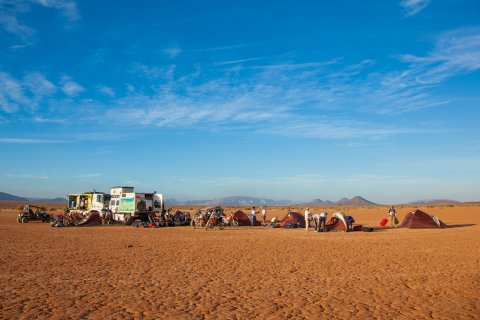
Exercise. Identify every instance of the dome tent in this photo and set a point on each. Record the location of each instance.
(418, 219)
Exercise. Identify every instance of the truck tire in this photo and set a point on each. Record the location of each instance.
(141, 206)
(127, 219)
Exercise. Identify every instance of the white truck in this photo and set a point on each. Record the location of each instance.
(87, 202)
(127, 205)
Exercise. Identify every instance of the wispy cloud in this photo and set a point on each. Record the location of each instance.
(456, 52)
(276, 99)
(412, 7)
(28, 92)
(48, 120)
(108, 91)
(11, 10)
(221, 48)
(70, 87)
(89, 175)
(68, 8)
(27, 176)
(172, 52)
(222, 63)
(307, 99)
(29, 141)
(278, 96)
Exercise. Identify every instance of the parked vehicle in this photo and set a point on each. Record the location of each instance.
(202, 216)
(215, 219)
(87, 202)
(199, 221)
(230, 220)
(33, 213)
(127, 205)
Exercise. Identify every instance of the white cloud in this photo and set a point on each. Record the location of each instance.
(108, 91)
(172, 52)
(291, 99)
(28, 141)
(11, 10)
(412, 7)
(67, 7)
(70, 87)
(221, 48)
(26, 93)
(11, 93)
(272, 104)
(48, 120)
(10, 23)
(89, 175)
(38, 84)
(456, 52)
(221, 63)
(27, 176)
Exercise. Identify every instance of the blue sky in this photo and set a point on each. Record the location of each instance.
(278, 99)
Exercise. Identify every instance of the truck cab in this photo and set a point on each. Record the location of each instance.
(87, 201)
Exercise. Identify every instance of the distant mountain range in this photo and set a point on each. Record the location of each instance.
(232, 201)
(355, 201)
(10, 197)
(251, 201)
(435, 202)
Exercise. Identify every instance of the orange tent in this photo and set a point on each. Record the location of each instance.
(293, 218)
(337, 222)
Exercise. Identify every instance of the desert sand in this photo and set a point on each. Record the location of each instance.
(121, 272)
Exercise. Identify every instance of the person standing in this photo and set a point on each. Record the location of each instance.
(323, 221)
(392, 215)
(253, 216)
(316, 222)
(264, 215)
(308, 216)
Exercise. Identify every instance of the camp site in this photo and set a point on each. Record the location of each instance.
(240, 160)
(259, 260)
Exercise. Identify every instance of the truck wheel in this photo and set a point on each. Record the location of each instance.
(127, 219)
(24, 220)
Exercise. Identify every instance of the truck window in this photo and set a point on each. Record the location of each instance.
(99, 198)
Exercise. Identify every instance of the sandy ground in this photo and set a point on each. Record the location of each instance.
(241, 273)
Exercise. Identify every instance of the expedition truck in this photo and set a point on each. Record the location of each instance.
(87, 202)
(127, 205)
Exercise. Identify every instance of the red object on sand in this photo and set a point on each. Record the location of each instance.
(357, 227)
(383, 222)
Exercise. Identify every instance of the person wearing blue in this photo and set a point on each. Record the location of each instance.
(350, 221)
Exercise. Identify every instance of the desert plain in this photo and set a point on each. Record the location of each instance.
(122, 272)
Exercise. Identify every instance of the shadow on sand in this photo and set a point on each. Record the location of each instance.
(460, 225)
